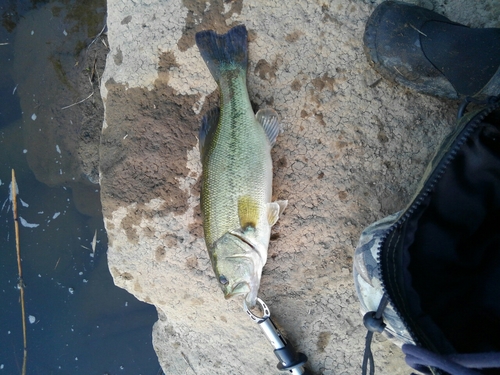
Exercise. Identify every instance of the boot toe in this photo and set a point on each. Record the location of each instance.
(392, 45)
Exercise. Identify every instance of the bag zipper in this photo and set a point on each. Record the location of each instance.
(437, 172)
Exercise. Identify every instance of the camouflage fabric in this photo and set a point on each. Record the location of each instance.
(368, 282)
(475, 141)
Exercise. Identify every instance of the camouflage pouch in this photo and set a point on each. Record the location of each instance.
(428, 276)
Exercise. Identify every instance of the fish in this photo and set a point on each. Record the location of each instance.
(236, 188)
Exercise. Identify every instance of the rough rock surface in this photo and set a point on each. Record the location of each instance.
(352, 151)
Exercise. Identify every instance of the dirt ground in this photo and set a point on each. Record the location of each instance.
(353, 150)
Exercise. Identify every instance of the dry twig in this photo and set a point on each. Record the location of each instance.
(98, 35)
(417, 30)
(81, 101)
(19, 268)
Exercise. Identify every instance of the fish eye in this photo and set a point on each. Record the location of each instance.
(223, 280)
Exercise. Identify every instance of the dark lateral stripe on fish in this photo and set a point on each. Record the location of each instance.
(223, 51)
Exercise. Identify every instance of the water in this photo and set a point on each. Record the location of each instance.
(78, 322)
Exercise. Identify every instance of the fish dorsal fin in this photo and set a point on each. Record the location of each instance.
(248, 212)
(268, 118)
(208, 127)
(274, 210)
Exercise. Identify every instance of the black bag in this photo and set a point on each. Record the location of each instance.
(429, 275)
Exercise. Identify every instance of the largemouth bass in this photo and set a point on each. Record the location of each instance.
(235, 148)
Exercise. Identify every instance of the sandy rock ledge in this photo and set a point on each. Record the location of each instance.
(352, 151)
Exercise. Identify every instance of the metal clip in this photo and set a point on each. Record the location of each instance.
(263, 307)
(290, 360)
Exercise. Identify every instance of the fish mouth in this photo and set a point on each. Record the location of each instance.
(240, 288)
(251, 299)
(251, 255)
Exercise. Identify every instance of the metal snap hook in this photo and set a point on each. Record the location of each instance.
(263, 307)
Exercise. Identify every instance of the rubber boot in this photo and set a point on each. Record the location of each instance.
(428, 53)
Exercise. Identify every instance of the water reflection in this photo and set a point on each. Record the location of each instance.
(79, 322)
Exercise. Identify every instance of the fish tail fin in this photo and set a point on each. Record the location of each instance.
(224, 52)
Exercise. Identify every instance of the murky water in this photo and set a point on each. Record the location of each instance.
(78, 322)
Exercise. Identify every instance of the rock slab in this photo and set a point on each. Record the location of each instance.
(353, 150)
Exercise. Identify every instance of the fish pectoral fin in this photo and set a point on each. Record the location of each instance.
(283, 204)
(248, 211)
(269, 120)
(208, 127)
(274, 210)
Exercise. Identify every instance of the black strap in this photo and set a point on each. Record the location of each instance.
(374, 323)
(456, 364)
